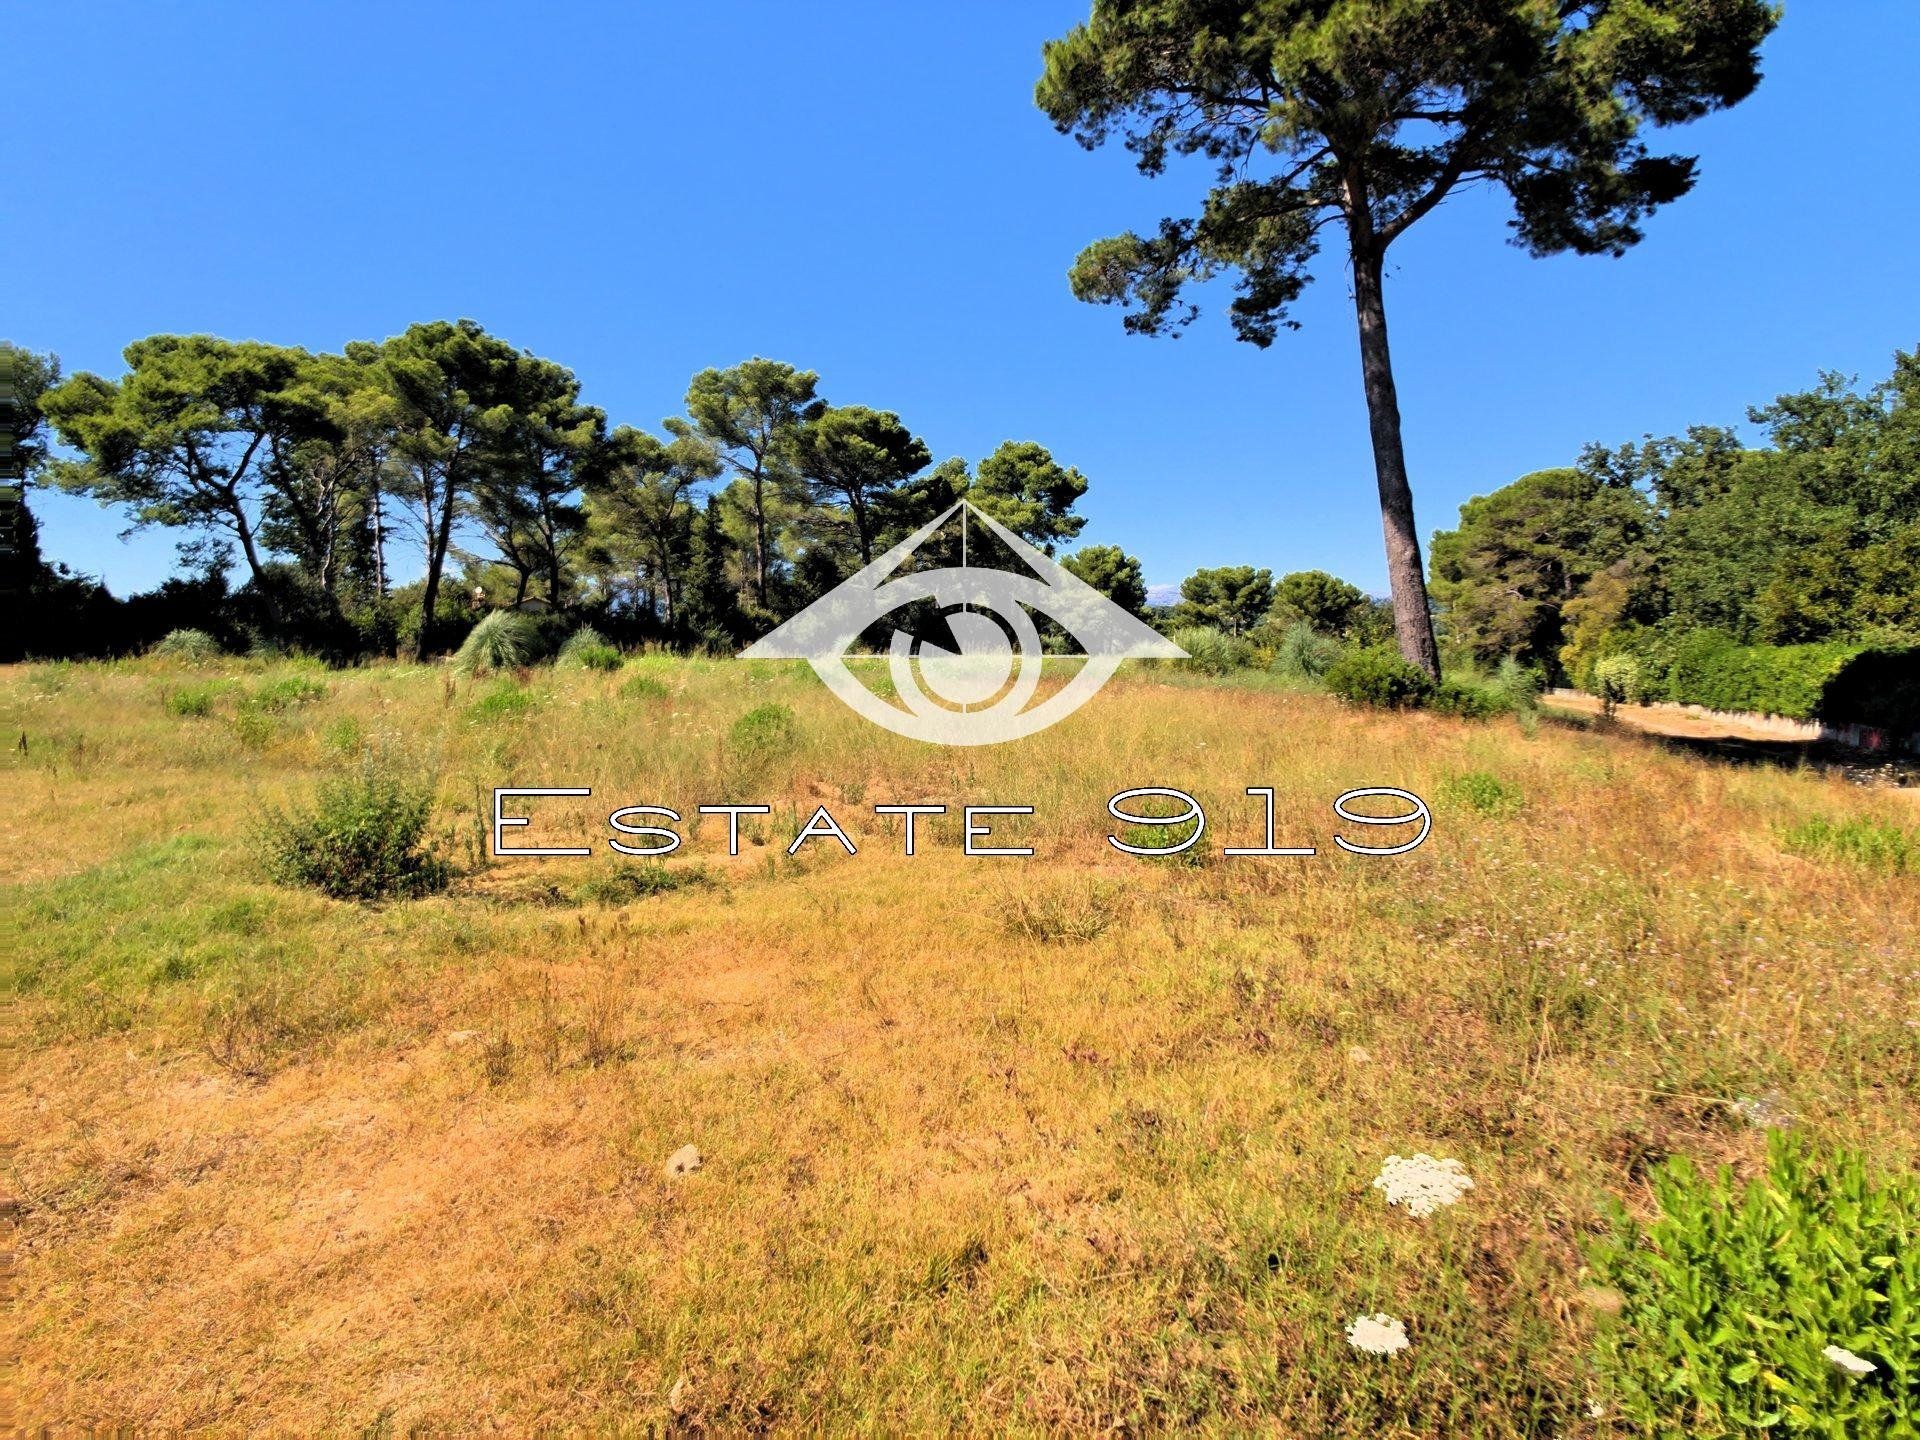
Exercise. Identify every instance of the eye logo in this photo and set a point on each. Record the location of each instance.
(979, 691)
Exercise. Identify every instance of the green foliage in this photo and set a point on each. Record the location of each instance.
(644, 687)
(764, 732)
(1734, 1292)
(1379, 677)
(1874, 844)
(1023, 487)
(1481, 792)
(1113, 572)
(192, 647)
(285, 693)
(619, 884)
(1617, 679)
(193, 701)
(1321, 601)
(504, 701)
(1210, 651)
(1468, 699)
(588, 648)
(503, 640)
(1305, 653)
(1230, 598)
(1519, 554)
(362, 838)
(1710, 669)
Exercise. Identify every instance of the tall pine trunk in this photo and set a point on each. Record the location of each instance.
(1412, 622)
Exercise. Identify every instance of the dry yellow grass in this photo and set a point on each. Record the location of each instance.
(1070, 1143)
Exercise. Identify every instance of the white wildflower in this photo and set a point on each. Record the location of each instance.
(1848, 1361)
(1595, 1410)
(1422, 1183)
(1377, 1335)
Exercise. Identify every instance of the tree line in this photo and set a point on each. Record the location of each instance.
(303, 472)
(1810, 538)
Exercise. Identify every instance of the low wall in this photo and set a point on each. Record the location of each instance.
(1858, 737)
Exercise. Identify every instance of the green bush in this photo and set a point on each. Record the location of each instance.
(764, 732)
(1305, 653)
(1468, 699)
(1875, 844)
(193, 701)
(644, 687)
(363, 838)
(285, 693)
(1732, 1296)
(1378, 676)
(503, 640)
(1618, 680)
(589, 648)
(504, 701)
(1709, 669)
(1479, 791)
(194, 647)
(1211, 651)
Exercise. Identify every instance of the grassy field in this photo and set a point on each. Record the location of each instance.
(1070, 1143)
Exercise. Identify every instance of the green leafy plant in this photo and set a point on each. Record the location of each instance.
(1875, 844)
(362, 838)
(1756, 1306)
(1618, 680)
(284, 694)
(1211, 651)
(193, 701)
(502, 640)
(644, 687)
(504, 701)
(589, 648)
(193, 647)
(764, 732)
(1481, 792)
(1378, 676)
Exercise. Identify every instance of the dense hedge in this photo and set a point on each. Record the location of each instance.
(1840, 682)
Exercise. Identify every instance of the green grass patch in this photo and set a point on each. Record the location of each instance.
(1873, 844)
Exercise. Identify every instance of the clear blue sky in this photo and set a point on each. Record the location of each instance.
(867, 190)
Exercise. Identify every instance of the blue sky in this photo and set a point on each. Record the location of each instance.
(867, 190)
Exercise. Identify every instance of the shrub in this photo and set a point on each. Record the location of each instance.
(1521, 684)
(588, 647)
(643, 687)
(502, 640)
(1378, 676)
(505, 701)
(1618, 680)
(1733, 1295)
(1211, 651)
(1480, 791)
(194, 647)
(1468, 700)
(1875, 844)
(285, 693)
(1878, 686)
(1305, 653)
(193, 701)
(363, 838)
(764, 732)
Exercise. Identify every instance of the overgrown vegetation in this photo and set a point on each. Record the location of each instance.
(1873, 844)
(363, 837)
(1789, 1304)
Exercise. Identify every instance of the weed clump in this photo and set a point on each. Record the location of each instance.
(587, 648)
(623, 883)
(505, 701)
(362, 838)
(502, 640)
(764, 732)
(191, 647)
(1873, 844)
(1787, 1302)
(192, 701)
(1211, 651)
(1481, 792)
